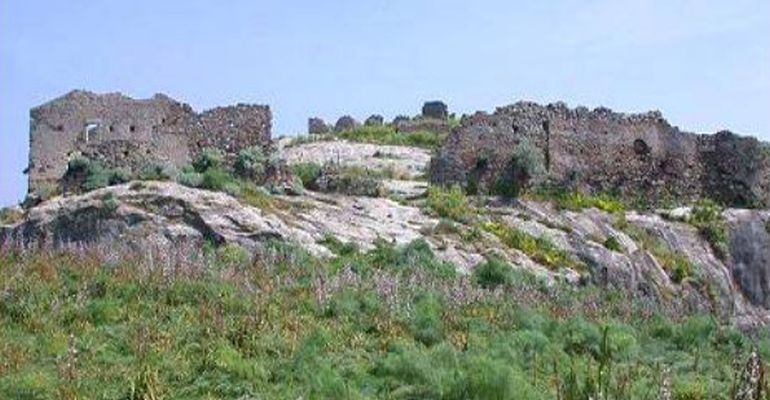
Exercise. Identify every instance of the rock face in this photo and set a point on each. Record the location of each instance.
(639, 156)
(158, 214)
(750, 250)
(122, 132)
(410, 162)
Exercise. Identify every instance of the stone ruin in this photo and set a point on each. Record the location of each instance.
(435, 117)
(132, 134)
(636, 156)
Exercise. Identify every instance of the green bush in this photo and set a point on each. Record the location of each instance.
(527, 164)
(707, 216)
(349, 180)
(217, 179)
(307, 172)
(190, 179)
(492, 273)
(426, 324)
(250, 163)
(209, 158)
(233, 255)
(157, 172)
(118, 176)
(451, 203)
(612, 243)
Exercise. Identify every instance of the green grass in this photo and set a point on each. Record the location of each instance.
(707, 217)
(388, 136)
(539, 249)
(449, 203)
(126, 333)
(387, 323)
(573, 200)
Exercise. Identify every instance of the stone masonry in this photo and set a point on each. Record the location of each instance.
(637, 156)
(132, 134)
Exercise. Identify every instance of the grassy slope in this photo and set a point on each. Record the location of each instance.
(392, 323)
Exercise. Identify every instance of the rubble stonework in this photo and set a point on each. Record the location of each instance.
(345, 123)
(435, 109)
(124, 132)
(374, 120)
(317, 126)
(637, 156)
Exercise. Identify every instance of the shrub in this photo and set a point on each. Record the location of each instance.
(451, 203)
(354, 181)
(250, 163)
(426, 324)
(526, 165)
(612, 243)
(216, 179)
(707, 216)
(417, 255)
(118, 176)
(492, 273)
(97, 177)
(232, 255)
(157, 172)
(209, 158)
(10, 215)
(307, 172)
(109, 203)
(190, 179)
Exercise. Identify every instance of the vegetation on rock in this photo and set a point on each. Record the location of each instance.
(449, 203)
(101, 323)
(540, 249)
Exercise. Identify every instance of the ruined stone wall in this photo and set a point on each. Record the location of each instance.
(637, 156)
(123, 132)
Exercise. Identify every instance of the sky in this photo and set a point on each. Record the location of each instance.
(704, 64)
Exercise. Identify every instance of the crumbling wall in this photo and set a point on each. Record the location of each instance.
(124, 132)
(637, 156)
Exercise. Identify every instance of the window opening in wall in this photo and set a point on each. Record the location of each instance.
(132, 128)
(112, 128)
(641, 148)
(90, 130)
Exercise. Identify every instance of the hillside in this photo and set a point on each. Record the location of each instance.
(369, 283)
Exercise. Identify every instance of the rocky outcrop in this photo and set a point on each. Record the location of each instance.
(735, 287)
(639, 156)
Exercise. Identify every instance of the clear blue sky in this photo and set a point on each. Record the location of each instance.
(704, 64)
